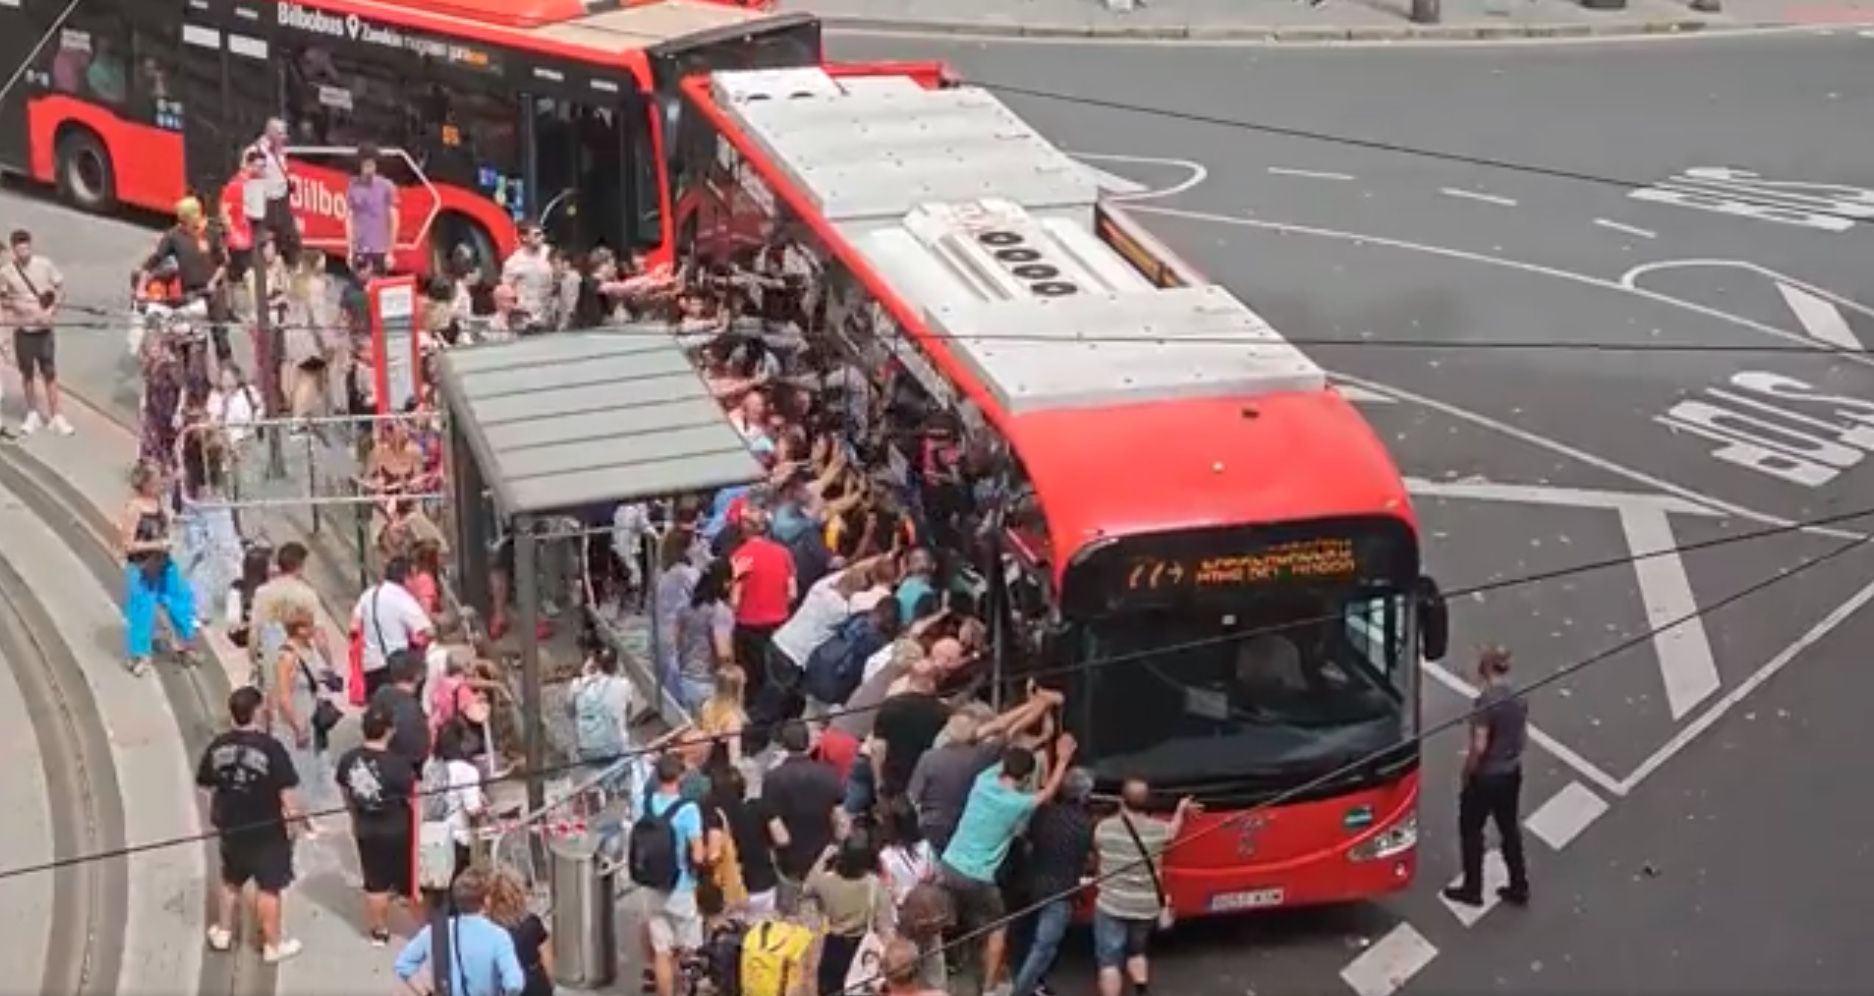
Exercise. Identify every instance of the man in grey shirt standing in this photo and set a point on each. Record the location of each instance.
(1493, 783)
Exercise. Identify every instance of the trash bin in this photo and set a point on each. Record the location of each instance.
(585, 935)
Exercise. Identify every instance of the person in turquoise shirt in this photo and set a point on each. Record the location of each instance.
(919, 568)
(997, 810)
(482, 950)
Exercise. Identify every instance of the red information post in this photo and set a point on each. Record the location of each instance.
(396, 350)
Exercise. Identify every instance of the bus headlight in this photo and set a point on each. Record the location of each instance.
(1396, 839)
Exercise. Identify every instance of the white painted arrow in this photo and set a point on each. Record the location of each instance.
(1820, 317)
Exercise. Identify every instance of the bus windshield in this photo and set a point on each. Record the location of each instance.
(1285, 687)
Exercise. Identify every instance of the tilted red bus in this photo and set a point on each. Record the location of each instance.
(1203, 539)
(497, 109)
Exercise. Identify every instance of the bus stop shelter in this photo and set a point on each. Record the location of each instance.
(561, 424)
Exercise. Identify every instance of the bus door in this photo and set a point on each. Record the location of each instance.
(577, 173)
(210, 138)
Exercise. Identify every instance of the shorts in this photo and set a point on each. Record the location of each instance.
(1116, 939)
(35, 351)
(386, 863)
(672, 919)
(265, 860)
(978, 904)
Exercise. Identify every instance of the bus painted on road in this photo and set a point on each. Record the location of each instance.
(488, 111)
(1201, 539)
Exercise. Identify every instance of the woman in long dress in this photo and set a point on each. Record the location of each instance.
(210, 543)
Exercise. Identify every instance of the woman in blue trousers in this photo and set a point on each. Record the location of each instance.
(151, 574)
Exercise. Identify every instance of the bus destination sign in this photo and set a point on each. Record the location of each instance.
(312, 19)
(1328, 558)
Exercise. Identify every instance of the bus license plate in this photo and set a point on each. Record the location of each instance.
(1252, 899)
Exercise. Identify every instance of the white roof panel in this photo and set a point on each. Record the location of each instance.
(986, 229)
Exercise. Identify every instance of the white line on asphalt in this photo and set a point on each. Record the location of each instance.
(1198, 173)
(1389, 963)
(1114, 183)
(1362, 396)
(1821, 317)
(1631, 281)
(1472, 195)
(1560, 751)
(1309, 173)
(1684, 649)
(1496, 875)
(1619, 501)
(1629, 229)
(1568, 812)
(1624, 284)
(1704, 721)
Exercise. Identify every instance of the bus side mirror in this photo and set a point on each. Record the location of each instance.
(1434, 619)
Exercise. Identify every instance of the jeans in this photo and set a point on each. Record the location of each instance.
(1491, 798)
(1051, 923)
(140, 606)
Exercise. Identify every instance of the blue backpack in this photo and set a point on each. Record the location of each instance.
(836, 667)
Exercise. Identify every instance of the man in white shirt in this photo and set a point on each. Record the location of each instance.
(389, 619)
(276, 184)
(529, 273)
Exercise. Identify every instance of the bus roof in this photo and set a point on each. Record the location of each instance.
(979, 235)
(602, 28)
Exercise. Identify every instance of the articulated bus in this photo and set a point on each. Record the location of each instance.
(1204, 537)
(488, 111)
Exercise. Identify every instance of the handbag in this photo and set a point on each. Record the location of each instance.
(867, 970)
(325, 715)
(1166, 915)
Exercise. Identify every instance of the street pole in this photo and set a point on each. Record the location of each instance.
(1425, 11)
(271, 345)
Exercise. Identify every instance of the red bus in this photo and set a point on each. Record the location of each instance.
(1210, 517)
(489, 110)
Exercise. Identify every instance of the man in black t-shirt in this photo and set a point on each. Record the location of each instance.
(803, 794)
(907, 724)
(378, 784)
(249, 780)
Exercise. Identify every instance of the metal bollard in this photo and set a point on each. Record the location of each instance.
(585, 934)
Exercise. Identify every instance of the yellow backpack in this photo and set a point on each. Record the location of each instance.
(774, 954)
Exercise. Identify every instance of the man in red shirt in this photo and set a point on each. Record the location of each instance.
(762, 592)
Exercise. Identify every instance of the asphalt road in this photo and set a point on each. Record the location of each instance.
(1436, 204)
(1469, 216)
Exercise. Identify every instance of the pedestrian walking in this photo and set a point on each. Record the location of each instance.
(371, 219)
(31, 290)
(249, 781)
(1131, 845)
(387, 619)
(667, 847)
(303, 712)
(378, 784)
(151, 576)
(507, 906)
(276, 186)
(1493, 783)
(276, 598)
(478, 953)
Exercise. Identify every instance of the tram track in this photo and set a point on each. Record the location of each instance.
(87, 892)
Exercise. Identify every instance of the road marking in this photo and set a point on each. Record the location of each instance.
(1684, 649)
(1496, 876)
(1704, 721)
(1517, 264)
(1821, 317)
(1472, 195)
(1113, 183)
(1198, 174)
(1628, 229)
(1362, 396)
(1568, 812)
(1389, 963)
(1309, 173)
(1618, 501)
(1560, 751)
(1631, 281)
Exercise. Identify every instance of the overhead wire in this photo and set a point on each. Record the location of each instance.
(1053, 672)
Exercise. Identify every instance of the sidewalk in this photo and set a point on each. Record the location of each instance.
(1333, 20)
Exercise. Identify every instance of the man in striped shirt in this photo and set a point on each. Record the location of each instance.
(1131, 845)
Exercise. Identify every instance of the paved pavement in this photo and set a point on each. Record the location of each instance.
(1434, 206)
(1329, 20)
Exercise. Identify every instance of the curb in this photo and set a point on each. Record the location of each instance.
(1474, 31)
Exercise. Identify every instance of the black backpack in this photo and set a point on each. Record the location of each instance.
(836, 667)
(652, 856)
(722, 957)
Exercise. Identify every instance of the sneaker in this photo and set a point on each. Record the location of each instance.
(1464, 897)
(60, 426)
(1515, 897)
(31, 425)
(274, 954)
(140, 667)
(380, 938)
(220, 938)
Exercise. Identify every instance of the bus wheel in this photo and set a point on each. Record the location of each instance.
(83, 168)
(452, 230)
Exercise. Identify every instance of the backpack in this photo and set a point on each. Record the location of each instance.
(436, 791)
(652, 854)
(836, 667)
(722, 957)
(595, 727)
(770, 951)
